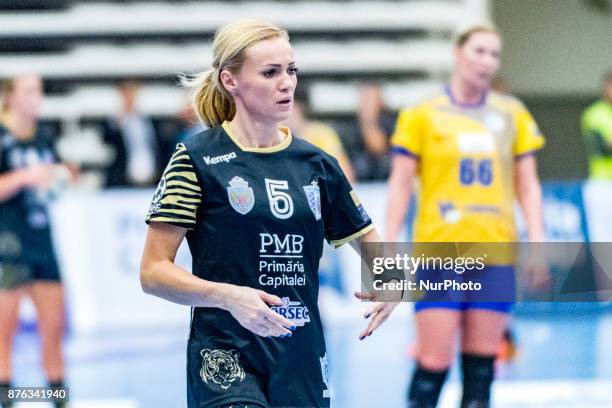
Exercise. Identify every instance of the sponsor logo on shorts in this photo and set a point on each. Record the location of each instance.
(221, 367)
(293, 311)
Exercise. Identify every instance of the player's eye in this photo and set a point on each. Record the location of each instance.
(292, 70)
(269, 73)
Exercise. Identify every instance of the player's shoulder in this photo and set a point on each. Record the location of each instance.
(302, 146)
(45, 135)
(6, 139)
(303, 150)
(505, 102)
(595, 109)
(204, 139)
(429, 103)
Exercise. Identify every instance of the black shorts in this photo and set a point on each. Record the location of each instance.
(17, 273)
(263, 373)
(46, 269)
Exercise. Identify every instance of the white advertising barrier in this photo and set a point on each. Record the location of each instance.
(598, 205)
(99, 238)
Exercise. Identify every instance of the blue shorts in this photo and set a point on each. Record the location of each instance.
(498, 293)
(502, 307)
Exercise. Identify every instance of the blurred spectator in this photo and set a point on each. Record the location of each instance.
(376, 124)
(597, 132)
(188, 123)
(132, 135)
(318, 133)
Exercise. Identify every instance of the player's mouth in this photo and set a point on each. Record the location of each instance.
(286, 101)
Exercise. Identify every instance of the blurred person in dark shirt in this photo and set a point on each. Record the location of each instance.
(132, 135)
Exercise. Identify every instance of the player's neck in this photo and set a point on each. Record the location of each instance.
(464, 94)
(252, 133)
(21, 127)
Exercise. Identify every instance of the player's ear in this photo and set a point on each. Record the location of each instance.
(228, 81)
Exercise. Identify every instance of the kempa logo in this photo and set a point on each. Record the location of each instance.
(218, 159)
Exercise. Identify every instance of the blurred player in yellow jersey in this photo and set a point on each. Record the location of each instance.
(319, 134)
(472, 149)
(325, 138)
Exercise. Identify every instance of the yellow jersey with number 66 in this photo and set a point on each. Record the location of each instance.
(466, 156)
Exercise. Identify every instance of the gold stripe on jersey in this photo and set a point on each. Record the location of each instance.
(186, 174)
(355, 198)
(176, 211)
(179, 201)
(185, 193)
(181, 183)
(180, 196)
(339, 242)
(171, 220)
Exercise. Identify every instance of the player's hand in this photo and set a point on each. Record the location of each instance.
(39, 176)
(378, 313)
(537, 275)
(251, 308)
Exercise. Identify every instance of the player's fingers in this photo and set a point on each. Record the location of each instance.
(363, 334)
(270, 299)
(378, 319)
(276, 318)
(365, 296)
(277, 321)
(260, 330)
(372, 310)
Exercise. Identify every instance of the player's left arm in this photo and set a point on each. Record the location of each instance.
(529, 195)
(378, 312)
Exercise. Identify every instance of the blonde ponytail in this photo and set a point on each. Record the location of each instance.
(211, 101)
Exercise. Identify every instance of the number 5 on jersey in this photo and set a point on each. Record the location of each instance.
(281, 203)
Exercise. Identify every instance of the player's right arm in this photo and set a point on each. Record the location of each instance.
(172, 214)
(406, 148)
(12, 182)
(160, 276)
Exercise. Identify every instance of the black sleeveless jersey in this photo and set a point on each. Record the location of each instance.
(24, 220)
(257, 217)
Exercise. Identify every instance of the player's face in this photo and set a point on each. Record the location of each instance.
(478, 60)
(267, 80)
(26, 97)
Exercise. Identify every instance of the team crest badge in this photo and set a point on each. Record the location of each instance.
(325, 374)
(240, 195)
(313, 194)
(221, 367)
